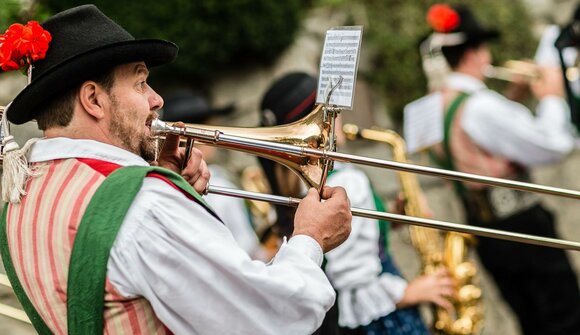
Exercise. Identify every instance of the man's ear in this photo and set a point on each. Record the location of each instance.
(94, 99)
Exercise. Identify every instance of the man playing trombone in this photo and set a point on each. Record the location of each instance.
(96, 240)
(487, 134)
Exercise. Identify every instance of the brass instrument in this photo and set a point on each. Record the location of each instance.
(518, 70)
(303, 146)
(10, 311)
(513, 70)
(263, 214)
(435, 254)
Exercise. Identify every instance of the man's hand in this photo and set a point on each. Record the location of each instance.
(551, 82)
(327, 222)
(195, 172)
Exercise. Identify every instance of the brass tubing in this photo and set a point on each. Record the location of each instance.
(10, 311)
(443, 225)
(294, 152)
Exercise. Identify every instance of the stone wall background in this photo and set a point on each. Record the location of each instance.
(246, 86)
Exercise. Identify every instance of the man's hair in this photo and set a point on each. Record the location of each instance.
(58, 111)
(454, 54)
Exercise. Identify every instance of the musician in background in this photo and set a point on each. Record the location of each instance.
(190, 107)
(487, 134)
(95, 240)
(563, 51)
(373, 298)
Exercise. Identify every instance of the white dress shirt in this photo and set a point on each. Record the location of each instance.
(189, 267)
(508, 129)
(354, 267)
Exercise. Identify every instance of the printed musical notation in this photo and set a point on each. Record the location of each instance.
(339, 59)
(423, 126)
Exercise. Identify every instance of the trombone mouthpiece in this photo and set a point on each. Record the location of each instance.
(159, 127)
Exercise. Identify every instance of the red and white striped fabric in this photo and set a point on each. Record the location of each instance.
(41, 231)
(470, 158)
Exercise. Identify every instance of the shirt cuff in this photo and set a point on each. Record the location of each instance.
(555, 108)
(308, 246)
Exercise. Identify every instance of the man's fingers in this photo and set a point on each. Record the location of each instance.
(201, 183)
(334, 192)
(312, 195)
(195, 165)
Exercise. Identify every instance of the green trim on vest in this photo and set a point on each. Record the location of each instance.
(93, 242)
(33, 315)
(448, 159)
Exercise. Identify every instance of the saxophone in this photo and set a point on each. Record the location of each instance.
(450, 252)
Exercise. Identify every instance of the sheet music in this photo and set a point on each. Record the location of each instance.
(423, 122)
(339, 58)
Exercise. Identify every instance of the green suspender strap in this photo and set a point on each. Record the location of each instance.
(93, 242)
(449, 116)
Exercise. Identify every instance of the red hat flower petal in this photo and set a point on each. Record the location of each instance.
(21, 45)
(442, 18)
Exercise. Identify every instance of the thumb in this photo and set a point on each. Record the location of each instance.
(312, 195)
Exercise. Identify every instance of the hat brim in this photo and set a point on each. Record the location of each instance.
(79, 68)
(482, 35)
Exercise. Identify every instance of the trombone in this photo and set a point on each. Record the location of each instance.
(10, 311)
(303, 146)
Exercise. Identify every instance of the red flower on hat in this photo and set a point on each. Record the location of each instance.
(442, 18)
(21, 45)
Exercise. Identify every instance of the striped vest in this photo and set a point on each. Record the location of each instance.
(41, 231)
(469, 157)
(483, 204)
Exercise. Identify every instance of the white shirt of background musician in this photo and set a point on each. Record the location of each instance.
(232, 211)
(509, 129)
(354, 267)
(189, 267)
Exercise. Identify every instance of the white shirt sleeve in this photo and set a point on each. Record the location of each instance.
(354, 267)
(198, 280)
(509, 130)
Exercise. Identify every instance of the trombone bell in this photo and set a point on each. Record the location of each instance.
(313, 132)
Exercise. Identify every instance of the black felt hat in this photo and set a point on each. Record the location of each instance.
(451, 20)
(471, 28)
(84, 44)
(288, 99)
(190, 107)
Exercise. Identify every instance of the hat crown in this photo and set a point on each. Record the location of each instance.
(288, 99)
(467, 21)
(76, 31)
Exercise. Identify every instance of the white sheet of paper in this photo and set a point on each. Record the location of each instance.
(340, 57)
(423, 122)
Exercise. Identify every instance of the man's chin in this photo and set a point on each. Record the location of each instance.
(149, 149)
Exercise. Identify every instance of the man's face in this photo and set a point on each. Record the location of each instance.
(133, 105)
(483, 55)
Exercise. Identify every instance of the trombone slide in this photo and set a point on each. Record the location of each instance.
(429, 223)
